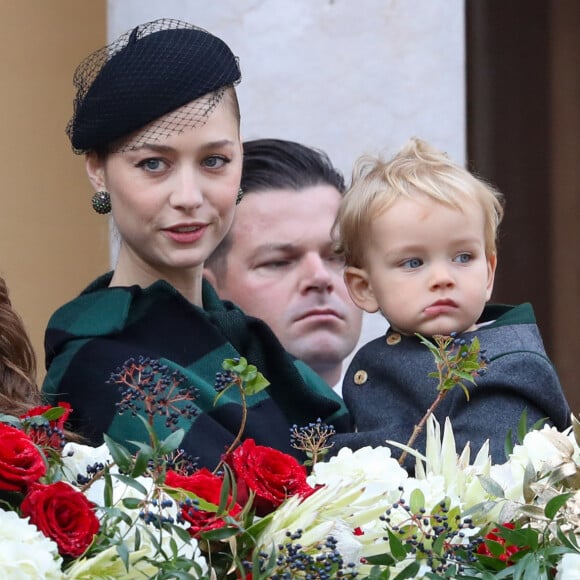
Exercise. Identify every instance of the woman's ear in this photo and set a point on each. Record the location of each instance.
(360, 290)
(95, 167)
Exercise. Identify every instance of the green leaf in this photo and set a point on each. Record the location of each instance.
(508, 445)
(123, 552)
(132, 502)
(432, 347)
(381, 560)
(417, 501)
(491, 486)
(143, 447)
(523, 425)
(129, 481)
(54, 413)
(521, 537)
(257, 384)
(465, 376)
(409, 572)
(396, 546)
(553, 506)
(238, 367)
(120, 454)
(140, 465)
(220, 534)
(172, 442)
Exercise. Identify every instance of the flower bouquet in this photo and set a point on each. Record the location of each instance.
(72, 511)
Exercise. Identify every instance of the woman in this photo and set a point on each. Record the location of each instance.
(157, 117)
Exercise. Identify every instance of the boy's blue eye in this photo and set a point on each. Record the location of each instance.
(413, 263)
(463, 258)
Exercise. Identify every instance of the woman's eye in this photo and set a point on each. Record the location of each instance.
(463, 258)
(152, 164)
(215, 162)
(412, 263)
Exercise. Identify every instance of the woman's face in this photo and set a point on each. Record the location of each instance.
(173, 199)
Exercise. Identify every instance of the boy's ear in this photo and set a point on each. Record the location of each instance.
(491, 266)
(96, 171)
(360, 290)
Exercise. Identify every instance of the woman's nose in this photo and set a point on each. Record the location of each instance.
(186, 191)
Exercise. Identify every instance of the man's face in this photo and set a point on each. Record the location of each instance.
(281, 268)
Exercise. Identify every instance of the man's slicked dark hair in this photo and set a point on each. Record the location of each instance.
(280, 164)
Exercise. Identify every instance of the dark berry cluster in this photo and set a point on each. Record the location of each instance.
(92, 471)
(224, 379)
(182, 462)
(438, 538)
(313, 439)
(458, 342)
(293, 562)
(150, 387)
(47, 435)
(152, 513)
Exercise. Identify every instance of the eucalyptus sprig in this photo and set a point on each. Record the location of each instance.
(457, 361)
(248, 380)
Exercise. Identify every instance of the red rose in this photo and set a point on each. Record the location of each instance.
(21, 463)
(51, 435)
(208, 487)
(508, 549)
(272, 475)
(63, 514)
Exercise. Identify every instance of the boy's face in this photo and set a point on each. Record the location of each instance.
(425, 267)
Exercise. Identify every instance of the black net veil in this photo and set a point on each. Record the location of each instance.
(160, 78)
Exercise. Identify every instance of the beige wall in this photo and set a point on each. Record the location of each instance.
(51, 244)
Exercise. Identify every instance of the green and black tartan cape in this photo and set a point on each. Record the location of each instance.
(93, 335)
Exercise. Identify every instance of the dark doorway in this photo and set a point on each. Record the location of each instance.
(523, 118)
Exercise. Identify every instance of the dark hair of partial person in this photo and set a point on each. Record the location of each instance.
(18, 389)
(278, 164)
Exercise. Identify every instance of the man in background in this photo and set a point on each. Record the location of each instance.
(277, 262)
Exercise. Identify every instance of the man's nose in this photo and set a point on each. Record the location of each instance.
(316, 273)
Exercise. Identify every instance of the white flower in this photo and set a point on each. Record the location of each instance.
(108, 564)
(569, 567)
(26, 553)
(375, 466)
(76, 458)
(149, 537)
(546, 449)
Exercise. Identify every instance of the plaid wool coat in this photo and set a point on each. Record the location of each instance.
(94, 334)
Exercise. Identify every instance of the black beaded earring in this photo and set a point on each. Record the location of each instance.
(101, 202)
(239, 196)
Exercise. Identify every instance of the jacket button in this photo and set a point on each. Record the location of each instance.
(360, 377)
(393, 338)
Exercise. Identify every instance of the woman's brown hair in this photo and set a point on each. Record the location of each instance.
(18, 389)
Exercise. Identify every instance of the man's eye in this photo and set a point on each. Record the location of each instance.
(275, 264)
(412, 263)
(462, 258)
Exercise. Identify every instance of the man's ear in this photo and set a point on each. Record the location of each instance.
(96, 171)
(491, 266)
(360, 290)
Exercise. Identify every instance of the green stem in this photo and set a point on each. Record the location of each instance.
(419, 427)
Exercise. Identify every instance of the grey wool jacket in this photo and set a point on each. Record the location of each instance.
(387, 388)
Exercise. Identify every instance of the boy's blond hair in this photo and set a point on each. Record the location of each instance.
(418, 168)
